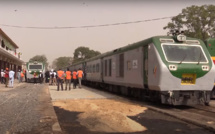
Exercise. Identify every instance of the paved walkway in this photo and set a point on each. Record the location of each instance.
(83, 93)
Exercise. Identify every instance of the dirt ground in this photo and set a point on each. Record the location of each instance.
(104, 115)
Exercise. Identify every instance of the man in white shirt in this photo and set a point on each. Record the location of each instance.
(11, 78)
(2, 76)
(51, 77)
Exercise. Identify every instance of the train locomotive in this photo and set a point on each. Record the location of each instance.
(34, 67)
(210, 44)
(174, 70)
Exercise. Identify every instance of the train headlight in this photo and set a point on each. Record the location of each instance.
(205, 68)
(172, 67)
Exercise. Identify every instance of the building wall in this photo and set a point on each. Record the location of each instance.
(9, 58)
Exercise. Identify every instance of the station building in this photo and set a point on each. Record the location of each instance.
(9, 55)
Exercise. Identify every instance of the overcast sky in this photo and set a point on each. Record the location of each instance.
(55, 43)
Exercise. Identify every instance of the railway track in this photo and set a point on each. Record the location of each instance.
(203, 116)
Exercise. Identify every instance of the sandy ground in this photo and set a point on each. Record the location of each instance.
(105, 115)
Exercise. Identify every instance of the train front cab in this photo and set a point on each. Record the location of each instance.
(210, 44)
(181, 71)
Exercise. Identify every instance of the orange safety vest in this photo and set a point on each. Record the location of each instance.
(60, 74)
(22, 75)
(68, 75)
(80, 72)
(74, 73)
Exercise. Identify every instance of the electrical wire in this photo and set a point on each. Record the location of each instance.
(87, 26)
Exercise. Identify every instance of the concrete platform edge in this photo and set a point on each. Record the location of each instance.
(192, 121)
(56, 126)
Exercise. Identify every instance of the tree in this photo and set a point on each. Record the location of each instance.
(82, 53)
(195, 21)
(62, 62)
(40, 58)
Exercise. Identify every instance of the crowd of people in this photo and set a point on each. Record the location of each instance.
(59, 77)
(56, 78)
(8, 76)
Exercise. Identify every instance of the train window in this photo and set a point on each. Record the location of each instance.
(105, 67)
(110, 63)
(94, 68)
(184, 53)
(89, 68)
(35, 67)
(128, 65)
(97, 67)
(121, 65)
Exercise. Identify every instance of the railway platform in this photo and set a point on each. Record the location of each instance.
(87, 95)
(16, 84)
(79, 93)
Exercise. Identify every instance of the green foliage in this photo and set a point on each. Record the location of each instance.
(62, 62)
(82, 53)
(40, 58)
(195, 21)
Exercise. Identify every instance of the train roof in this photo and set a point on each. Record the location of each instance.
(210, 39)
(132, 46)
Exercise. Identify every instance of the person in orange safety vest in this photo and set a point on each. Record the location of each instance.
(74, 78)
(68, 79)
(80, 74)
(22, 76)
(60, 78)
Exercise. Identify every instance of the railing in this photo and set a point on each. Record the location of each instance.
(17, 55)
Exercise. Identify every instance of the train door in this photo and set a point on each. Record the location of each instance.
(145, 66)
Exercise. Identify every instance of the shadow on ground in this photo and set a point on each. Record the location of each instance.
(70, 125)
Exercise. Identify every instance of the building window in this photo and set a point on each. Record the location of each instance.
(2, 44)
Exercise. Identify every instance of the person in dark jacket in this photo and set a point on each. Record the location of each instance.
(6, 77)
(47, 76)
(41, 78)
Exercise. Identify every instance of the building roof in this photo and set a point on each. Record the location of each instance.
(8, 38)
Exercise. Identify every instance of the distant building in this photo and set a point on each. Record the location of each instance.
(9, 55)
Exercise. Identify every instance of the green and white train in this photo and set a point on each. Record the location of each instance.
(175, 70)
(34, 67)
(210, 44)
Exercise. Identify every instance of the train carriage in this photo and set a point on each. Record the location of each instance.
(93, 70)
(210, 44)
(174, 70)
